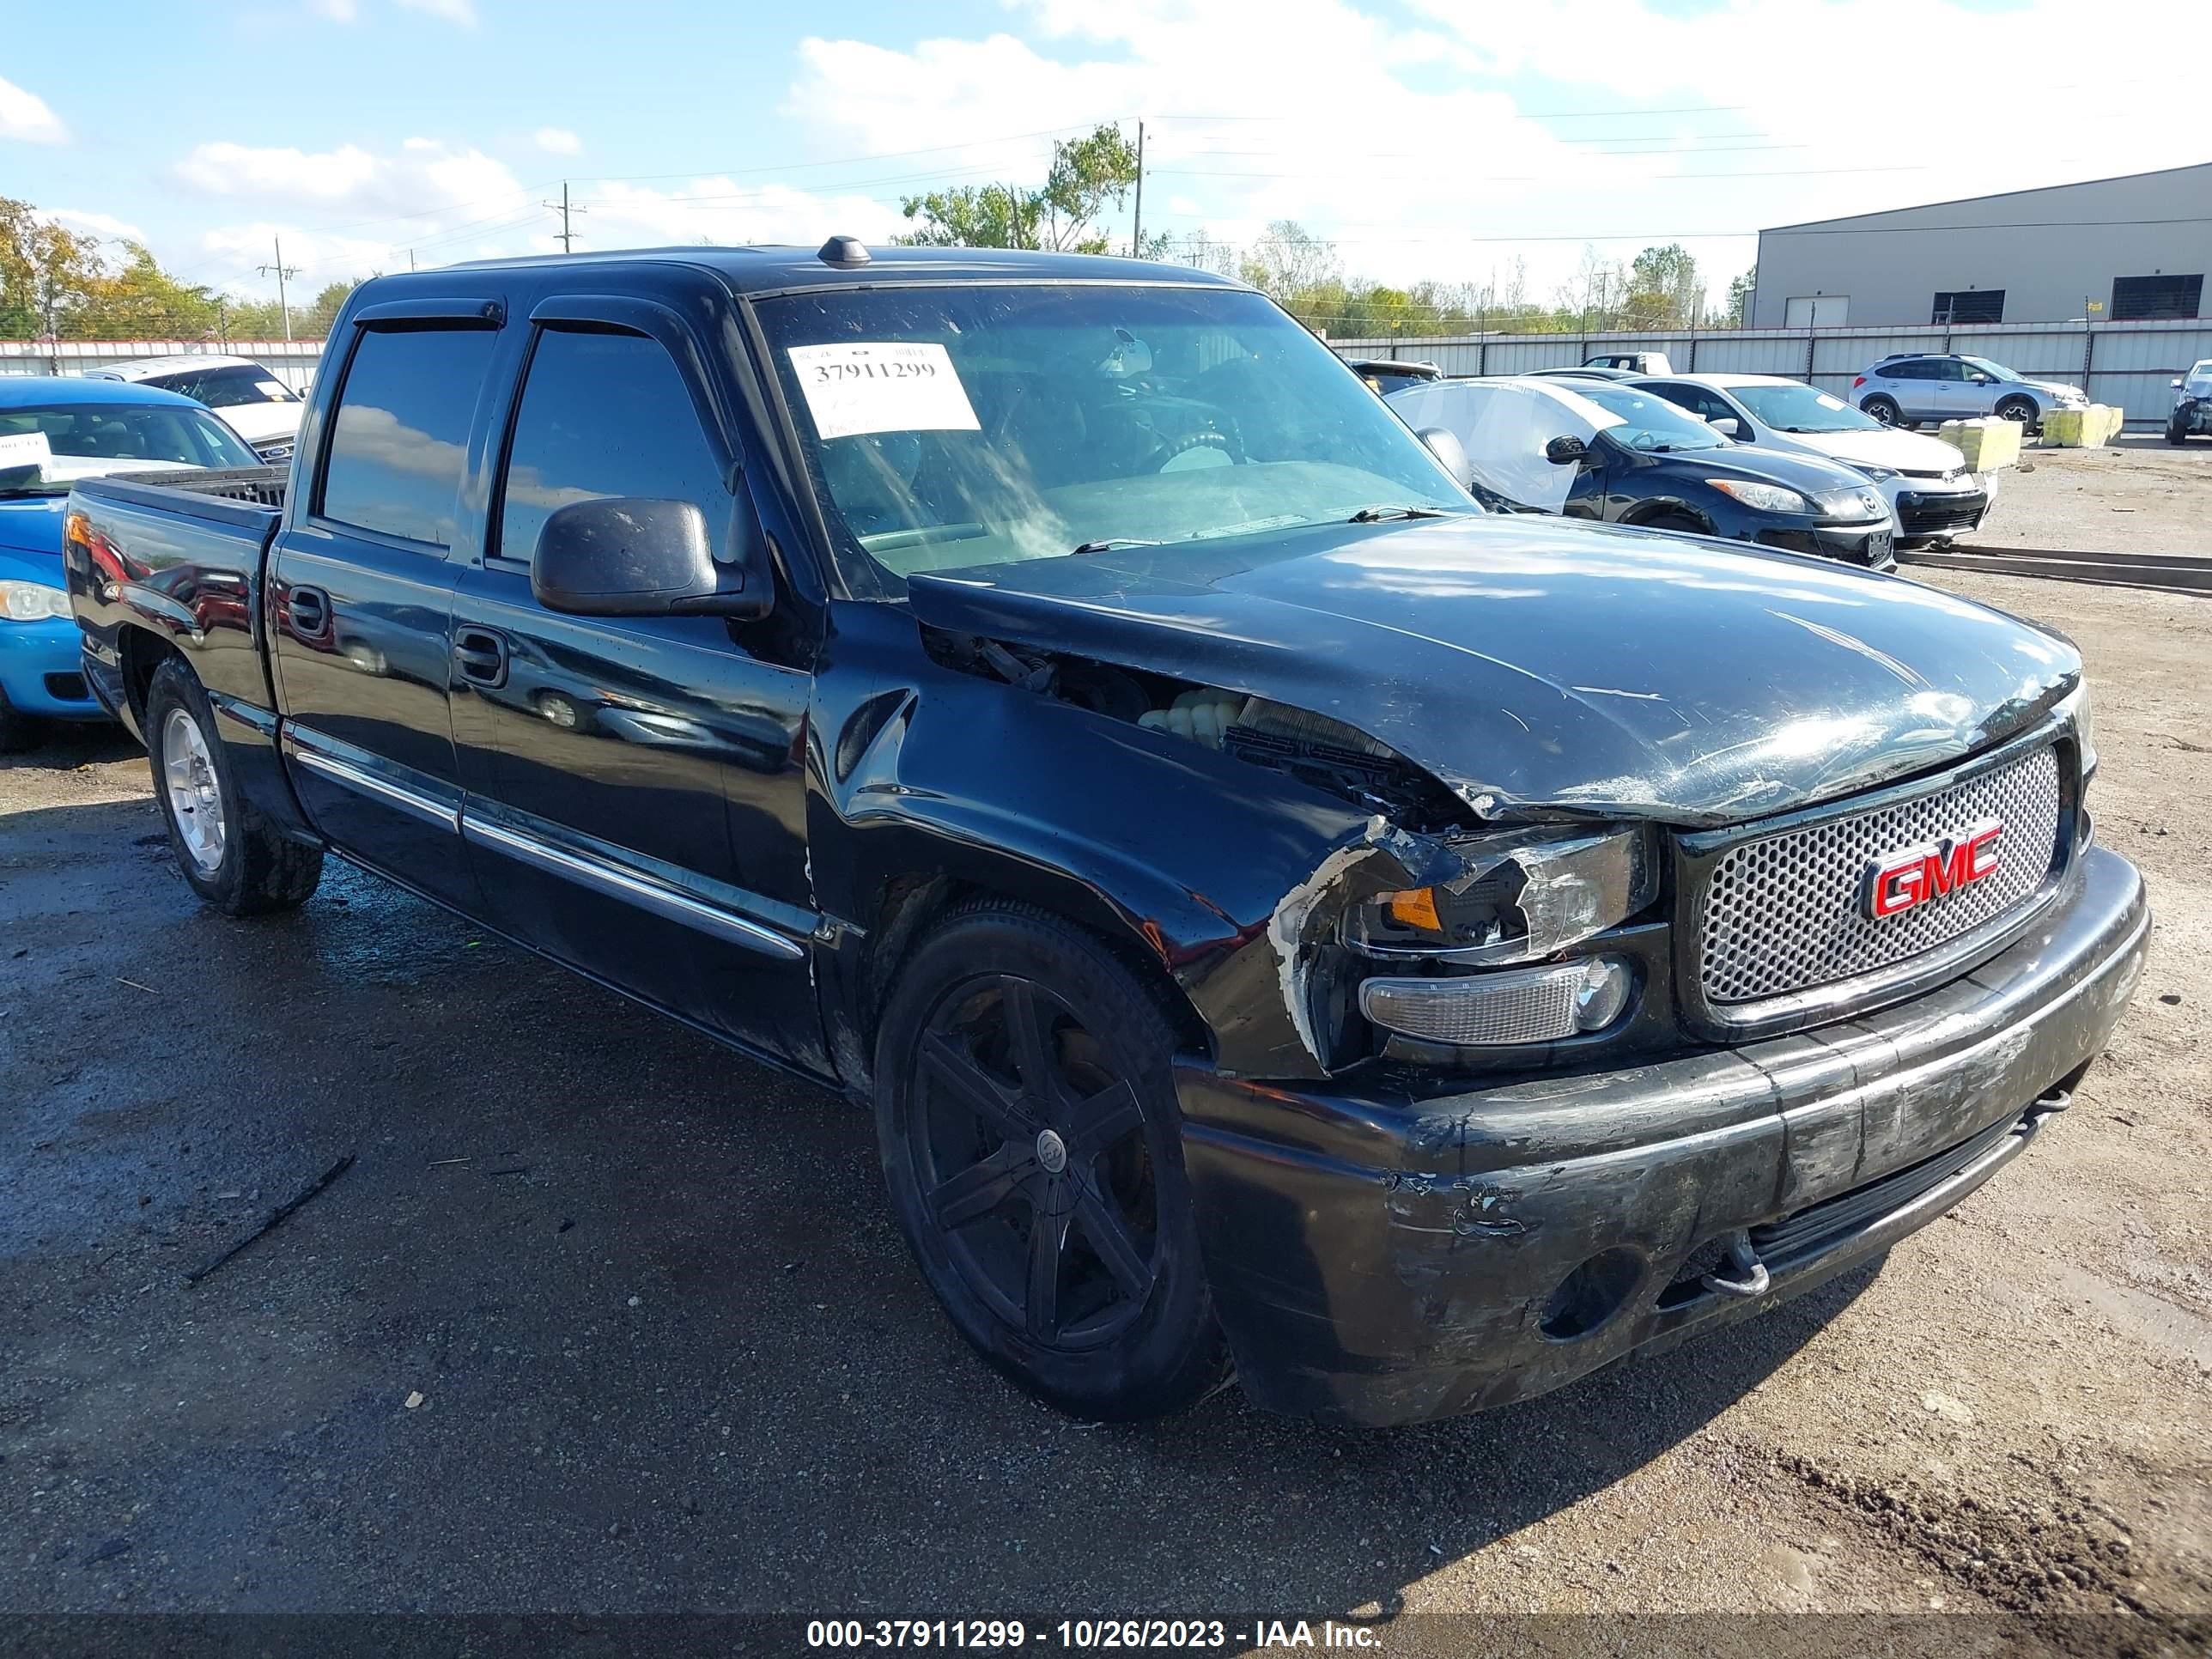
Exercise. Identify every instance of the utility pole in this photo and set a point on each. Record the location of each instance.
(283, 272)
(1137, 226)
(563, 207)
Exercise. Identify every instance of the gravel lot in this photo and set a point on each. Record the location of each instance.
(671, 1354)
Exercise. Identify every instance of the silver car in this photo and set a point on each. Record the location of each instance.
(1932, 496)
(1911, 386)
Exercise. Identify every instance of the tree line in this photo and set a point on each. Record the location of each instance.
(60, 284)
(1660, 289)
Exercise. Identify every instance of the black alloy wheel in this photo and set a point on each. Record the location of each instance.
(1032, 1149)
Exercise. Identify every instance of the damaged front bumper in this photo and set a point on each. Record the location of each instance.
(1379, 1257)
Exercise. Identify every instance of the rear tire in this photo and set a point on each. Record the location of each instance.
(230, 852)
(1882, 408)
(1026, 1114)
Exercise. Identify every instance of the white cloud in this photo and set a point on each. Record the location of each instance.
(722, 211)
(97, 224)
(463, 12)
(338, 11)
(557, 141)
(1431, 145)
(24, 115)
(421, 180)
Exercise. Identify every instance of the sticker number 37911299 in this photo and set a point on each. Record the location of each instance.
(856, 387)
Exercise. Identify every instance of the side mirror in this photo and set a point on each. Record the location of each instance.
(1727, 426)
(1443, 443)
(631, 556)
(2177, 386)
(1980, 380)
(1566, 451)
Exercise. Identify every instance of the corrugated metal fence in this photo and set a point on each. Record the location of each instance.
(293, 361)
(2128, 364)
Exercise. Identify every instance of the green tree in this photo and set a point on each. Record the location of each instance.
(1739, 298)
(46, 273)
(139, 301)
(1088, 176)
(1663, 289)
(322, 310)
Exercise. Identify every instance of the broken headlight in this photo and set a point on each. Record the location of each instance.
(1519, 896)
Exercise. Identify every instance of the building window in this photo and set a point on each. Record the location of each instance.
(2137, 299)
(1969, 304)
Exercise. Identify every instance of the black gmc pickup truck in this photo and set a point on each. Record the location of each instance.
(1278, 915)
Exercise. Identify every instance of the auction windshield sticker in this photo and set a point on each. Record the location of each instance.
(856, 387)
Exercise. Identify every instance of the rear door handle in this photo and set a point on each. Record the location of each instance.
(310, 609)
(480, 656)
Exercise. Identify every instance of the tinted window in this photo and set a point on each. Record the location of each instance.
(402, 430)
(605, 415)
(1698, 399)
(1919, 369)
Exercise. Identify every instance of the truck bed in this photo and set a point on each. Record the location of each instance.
(179, 555)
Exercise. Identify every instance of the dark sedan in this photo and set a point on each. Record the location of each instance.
(1596, 449)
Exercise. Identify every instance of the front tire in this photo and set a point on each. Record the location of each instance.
(2177, 432)
(1025, 1110)
(18, 731)
(2021, 409)
(231, 854)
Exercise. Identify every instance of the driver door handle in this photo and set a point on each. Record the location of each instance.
(480, 656)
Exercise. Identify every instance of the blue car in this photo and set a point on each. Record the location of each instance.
(54, 431)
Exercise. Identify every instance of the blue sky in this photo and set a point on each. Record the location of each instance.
(1426, 137)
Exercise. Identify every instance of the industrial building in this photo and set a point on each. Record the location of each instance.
(2110, 249)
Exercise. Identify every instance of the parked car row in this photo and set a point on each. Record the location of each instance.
(249, 399)
(1751, 457)
(1620, 453)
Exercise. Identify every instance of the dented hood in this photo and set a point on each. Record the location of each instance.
(1539, 668)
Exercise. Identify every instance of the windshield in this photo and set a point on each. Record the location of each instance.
(1649, 422)
(1801, 408)
(126, 434)
(232, 386)
(951, 427)
(1994, 371)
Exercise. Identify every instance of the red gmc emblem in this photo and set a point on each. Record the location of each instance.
(1913, 875)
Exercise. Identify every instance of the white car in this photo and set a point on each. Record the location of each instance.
(1931, 496)
(247, 396)
(2192, 403)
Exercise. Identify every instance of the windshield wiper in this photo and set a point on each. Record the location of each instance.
(1108, 545)
(1379, 514)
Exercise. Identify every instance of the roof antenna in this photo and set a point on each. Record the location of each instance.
(844, 251)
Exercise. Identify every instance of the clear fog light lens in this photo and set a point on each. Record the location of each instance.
(1603, 997)
(1503, 1008)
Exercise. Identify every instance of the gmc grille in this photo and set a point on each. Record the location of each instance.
(1781, 913)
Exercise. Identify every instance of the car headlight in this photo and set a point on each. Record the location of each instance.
(1762, 497)
(1522, 896)
(31, 602)
(1852, 504)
